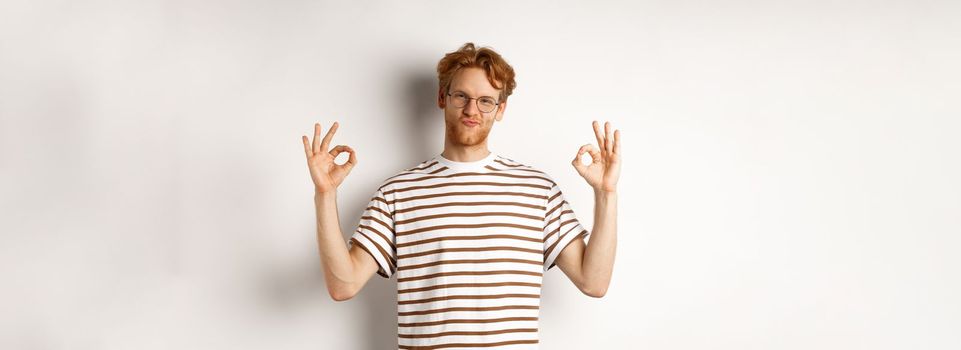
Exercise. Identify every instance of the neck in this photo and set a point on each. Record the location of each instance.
(460, 153)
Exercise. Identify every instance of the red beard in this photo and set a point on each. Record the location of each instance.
(464, 135)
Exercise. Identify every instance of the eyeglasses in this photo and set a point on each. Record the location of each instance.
(485, 104)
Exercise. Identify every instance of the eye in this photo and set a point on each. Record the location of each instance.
(459, 94)
(488, 101)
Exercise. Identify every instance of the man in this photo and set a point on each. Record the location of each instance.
(468, 232)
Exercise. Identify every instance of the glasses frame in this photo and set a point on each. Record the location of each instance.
(497, 103)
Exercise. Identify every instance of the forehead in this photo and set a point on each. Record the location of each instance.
(474, 82)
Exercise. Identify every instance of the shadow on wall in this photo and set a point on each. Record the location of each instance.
(376, 304)
(379, 297)
(379, 301)
(423, 115)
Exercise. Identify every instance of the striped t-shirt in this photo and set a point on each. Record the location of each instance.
(469, 242)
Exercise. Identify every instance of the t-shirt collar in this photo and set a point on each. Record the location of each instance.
(477, 165)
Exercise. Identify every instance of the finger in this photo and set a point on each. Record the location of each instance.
(577, 158)
(334, 152)
(617, 142)
(351, 161)
(344, 148)
(316, 143)
(592, 151)
(329, 136)
(581, 151)
(353, 158)
(598, 135)
(595, 155)
(608, 139)
(307, 150)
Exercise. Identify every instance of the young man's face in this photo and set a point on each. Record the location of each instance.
(459, 128)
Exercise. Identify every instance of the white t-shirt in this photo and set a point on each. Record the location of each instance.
(469, 243)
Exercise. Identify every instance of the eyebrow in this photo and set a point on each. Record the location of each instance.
(462, 91)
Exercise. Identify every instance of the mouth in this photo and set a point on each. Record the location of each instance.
(469, 123)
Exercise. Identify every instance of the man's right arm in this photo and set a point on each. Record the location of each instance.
(345, 271)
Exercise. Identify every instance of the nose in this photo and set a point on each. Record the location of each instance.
(471, 108)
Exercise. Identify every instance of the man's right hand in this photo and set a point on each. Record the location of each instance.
(326, 174)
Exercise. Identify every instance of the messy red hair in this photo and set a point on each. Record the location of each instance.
(499, 73)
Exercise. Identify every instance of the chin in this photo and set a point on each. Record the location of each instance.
(466, 141)
(466, 136)
(472, 141)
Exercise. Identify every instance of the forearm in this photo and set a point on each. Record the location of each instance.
(334, 256)
(598, 263)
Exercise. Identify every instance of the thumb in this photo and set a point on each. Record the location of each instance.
(580, 167)
(352, 161)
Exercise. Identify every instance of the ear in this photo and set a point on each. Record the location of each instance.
(500, 111)
(441, 100)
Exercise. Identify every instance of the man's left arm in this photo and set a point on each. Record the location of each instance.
(590, 265)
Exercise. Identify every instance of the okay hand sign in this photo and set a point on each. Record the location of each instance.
(326, 174)
(605, 167)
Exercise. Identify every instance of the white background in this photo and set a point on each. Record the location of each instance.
(790, 174)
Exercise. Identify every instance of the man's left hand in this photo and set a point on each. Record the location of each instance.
(605, 165)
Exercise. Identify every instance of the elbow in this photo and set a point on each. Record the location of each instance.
(595, 291)
(341, 293)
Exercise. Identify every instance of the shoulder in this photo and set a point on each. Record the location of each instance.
(427, 167)
(520, 168)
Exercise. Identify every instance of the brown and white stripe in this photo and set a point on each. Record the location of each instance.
(469, 243)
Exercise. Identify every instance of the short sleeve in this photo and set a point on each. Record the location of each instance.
(375, 234)
(561, 226)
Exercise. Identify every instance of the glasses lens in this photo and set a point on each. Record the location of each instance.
(486, 104)
(459, 99)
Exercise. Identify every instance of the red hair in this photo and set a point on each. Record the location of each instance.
(499, 73)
